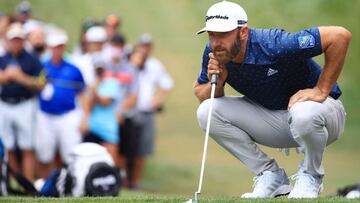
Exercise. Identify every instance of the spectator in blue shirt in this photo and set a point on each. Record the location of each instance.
(103, 124)
(288, 99)
(59, 117)
(19, 82)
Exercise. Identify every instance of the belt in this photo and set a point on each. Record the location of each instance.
(147, 112)
(14, 100)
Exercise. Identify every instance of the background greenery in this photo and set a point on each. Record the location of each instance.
(174, 169)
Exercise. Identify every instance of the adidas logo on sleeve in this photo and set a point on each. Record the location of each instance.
(271, 72)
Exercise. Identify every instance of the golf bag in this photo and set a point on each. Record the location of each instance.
(25, 187)
(3, 171)
(350, 191)
(91, 172)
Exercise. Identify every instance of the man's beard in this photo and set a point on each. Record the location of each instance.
(39, 49)
(224, 56)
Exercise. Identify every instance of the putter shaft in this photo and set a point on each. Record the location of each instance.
(212, 94)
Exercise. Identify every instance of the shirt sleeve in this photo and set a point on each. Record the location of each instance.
(37, 67)
(2, 63)
(134, 86)
(203, 76)
(279, 43)
(80, 79)
(164, 80)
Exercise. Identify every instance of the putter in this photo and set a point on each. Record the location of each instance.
(213, 82)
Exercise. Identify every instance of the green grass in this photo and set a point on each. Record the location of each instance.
(174, 169)
(141, 197)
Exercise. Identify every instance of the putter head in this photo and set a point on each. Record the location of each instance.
(191, 201)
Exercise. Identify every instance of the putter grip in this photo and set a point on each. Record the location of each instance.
(214, 78)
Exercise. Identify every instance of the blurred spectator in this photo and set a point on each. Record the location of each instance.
(18, 72)
(95, 38)
(23, 11)
(113, 48)
(4, 24)
(127, 75)
(112, 26)
(36, 41)
(153, 78)
(34, 29)
(113, 52)
(86, 25)
(58, 123)
(154, 86)
(103, 125)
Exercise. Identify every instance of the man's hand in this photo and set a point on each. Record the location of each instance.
(157, 105)
(202, 91)
(120, 118)
(313, 94)
(4, 78)
(84, 126)
(214, 67)
(15, 74)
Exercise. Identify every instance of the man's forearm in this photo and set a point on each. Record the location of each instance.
(335, 48)
(130, 102)
(202, 91)
(85, 103)
(3, 79)
(32, 83)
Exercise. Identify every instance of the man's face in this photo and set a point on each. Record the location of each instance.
(58, 51)
(138, 58)
(146, 48)
(225, 45)
(15, 45)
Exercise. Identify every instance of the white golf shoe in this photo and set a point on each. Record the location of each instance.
(270, 184)
(306, 186)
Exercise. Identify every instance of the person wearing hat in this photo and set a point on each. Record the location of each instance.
(289, 100)
(155, 85)
(23, 11)
(58, 126)
(19, 82)
(112, 26)
(36, 38)
(102, 124)
(95, 38)
(5, 22)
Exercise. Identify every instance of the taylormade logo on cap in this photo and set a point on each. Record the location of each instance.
(217, 16)
(224, 16)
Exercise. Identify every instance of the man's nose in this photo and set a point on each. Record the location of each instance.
(215, 42)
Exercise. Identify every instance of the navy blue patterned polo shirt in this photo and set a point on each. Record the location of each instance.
(276, 65)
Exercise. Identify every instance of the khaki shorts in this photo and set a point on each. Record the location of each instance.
(17, 124)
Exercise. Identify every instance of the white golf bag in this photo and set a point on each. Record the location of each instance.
(91, 172)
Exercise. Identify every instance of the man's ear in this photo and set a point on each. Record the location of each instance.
(244, 31)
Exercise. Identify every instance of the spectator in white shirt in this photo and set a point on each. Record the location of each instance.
(154, 86)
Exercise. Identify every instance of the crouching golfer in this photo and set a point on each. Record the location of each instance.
(289, 100)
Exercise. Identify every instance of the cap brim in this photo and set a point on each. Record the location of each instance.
(201, 31)
(216, 29)
(56, 45)
(16, 37)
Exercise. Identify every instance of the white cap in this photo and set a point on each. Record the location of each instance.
(224, 16)
(96, 34)
(57, 38)
(23, 7)
(16, 30)
(31, 25)
(145, 38)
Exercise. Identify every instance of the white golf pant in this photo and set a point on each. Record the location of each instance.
(238, 124)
